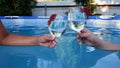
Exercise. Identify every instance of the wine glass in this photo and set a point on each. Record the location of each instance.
(57, 26)
(77, 20)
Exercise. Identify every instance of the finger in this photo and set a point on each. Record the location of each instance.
(79, 40)
(44, 44)
(55, 40)
(78, 33)
(49, 37)
(52, 44)
(84, 30)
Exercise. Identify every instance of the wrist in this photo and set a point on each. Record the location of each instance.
(39, 40)
(36, 40)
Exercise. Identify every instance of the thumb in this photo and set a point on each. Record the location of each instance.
(84, 33)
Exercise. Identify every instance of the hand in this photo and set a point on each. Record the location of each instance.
(47, 40)
(92, 40)
(86, 36)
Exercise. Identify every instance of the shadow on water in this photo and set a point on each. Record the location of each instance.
(27, 57)
(90, 59)
(67, 51)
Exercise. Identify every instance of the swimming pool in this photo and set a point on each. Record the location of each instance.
(67, 53)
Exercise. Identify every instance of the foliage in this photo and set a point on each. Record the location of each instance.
(91, 6)
(86, 3)
(77, 1)
(81, 2)
(16, 7)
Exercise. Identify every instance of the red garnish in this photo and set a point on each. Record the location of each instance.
(52, 17)
(86, 10)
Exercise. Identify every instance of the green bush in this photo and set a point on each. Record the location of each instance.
(86, 3)
(81, 2)
(16, 7)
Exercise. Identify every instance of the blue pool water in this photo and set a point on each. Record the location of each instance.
(67, 53)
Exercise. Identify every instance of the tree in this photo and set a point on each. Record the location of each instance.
(16, 7)
(81, 2)
(86, 3)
